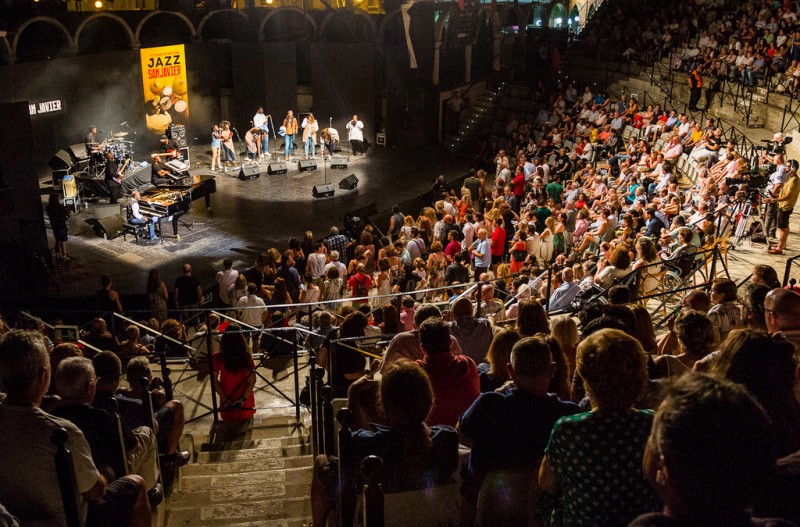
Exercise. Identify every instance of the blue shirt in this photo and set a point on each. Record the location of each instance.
(216, 142)
(484, 247)
(563, 296)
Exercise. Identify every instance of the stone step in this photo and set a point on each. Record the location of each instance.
(240, 494)
(253, 453)
(194, 483)
(290, 522)
(240, 513)
(235, 467)
(270, 442)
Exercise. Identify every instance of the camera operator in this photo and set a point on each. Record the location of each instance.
(785, 203)
(772, 190)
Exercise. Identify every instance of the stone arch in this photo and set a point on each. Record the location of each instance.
(384, 26)
(284, 9)
(121, 21)
(212, 14)
(156, 13)
(343, 11)
(9, 56)
(536, 14)
(47, 20)
(558, 11)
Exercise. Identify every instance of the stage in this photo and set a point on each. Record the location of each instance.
(246, 217)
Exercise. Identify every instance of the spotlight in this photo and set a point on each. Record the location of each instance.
(269, 2)
(577, 18)
(98, 4)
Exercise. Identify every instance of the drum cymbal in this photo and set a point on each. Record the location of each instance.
(156, 154)
(120, 134)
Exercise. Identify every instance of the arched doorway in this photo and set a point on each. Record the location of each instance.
(574, 20)
(558, 17)
(535, 18)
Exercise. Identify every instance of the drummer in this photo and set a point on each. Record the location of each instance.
(91, 140)
(170, 147)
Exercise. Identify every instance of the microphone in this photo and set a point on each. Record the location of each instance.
(123, 124)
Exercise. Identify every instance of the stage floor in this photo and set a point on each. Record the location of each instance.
(246, 217)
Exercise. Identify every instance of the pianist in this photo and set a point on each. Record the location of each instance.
(159, 173)
(137, 218)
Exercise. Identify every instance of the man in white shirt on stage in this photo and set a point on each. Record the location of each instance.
(355, 133)
(260, 120)
(137, 218)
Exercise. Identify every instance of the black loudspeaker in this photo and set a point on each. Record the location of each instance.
(306, 164)
(178, 133)
(276, 168)
(323, 191)
(110, 227)
(78, 151)
(249, 173)
(61, 161)
(339, 162)
(349, 183)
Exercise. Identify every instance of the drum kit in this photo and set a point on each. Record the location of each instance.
(115, 144)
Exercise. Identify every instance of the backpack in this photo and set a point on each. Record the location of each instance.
(361, 288)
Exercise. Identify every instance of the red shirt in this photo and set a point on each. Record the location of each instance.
(359, 278)
(455, 386)
(519, 185)
(498, 241)
(453, 248)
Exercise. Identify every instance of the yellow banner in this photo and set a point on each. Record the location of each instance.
(165, 86)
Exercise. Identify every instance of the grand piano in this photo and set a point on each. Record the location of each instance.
(169, 203)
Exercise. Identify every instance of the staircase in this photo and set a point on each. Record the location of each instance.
(474, 122)
(257, 477)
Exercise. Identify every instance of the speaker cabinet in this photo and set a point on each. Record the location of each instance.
(323, 191)
(61, 161)
(349, 183)
(78, 152)
(276, 168)
(178, 133)
(339, 162)
(249, 173)
(109, 227)
(306, 165)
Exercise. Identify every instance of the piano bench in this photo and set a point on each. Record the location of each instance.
(135, 230)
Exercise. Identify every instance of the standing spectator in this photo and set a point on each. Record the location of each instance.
(481, 252)
(157, 295)
(57, 215)
(290, 275)
(338, 242)
(251, 309)
(233, 370)
(454, 377)
(226, 279)
(315, 265)
(498, 242)
(188, 293)
(107, 299)
(603, 487)
(359, 285)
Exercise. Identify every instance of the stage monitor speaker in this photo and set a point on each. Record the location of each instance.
(59, 175)
(349, 183)
(323, 191)
(276, 168)
(339, 162)
(110, 227)
(61, 161)
(306, 165)
(178, 133)
(249, 173)
(78, 151)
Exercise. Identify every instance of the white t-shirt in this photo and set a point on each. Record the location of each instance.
(226, 279)
(315, 264)
(355, 131)
(28, 480)
(251, 316)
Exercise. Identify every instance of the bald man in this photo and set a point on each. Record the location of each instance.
(137, 218)
(188, 293)
(782, 310)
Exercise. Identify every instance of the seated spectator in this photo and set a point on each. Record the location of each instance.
(617, 268)
(59, 353)
(99, 337)
(724, 313)
(608, 487)
(709, 456)
(509, 430)
(429, 456)
(767, 367)
(751, 301)
(454, 378)
(169, 415)
(28, 480)
(562, 297)
(532, 318)
(131, 347)
(696, 336)
(473, 334)
(407, 345)
(77, 385)
(493, 373)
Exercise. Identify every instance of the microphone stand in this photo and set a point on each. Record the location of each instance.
(274, 136)
(238, 138)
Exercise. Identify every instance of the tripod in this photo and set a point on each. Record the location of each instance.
(747, 213)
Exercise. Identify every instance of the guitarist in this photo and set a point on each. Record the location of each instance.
(170, 147)
(158, 173)
(113, 177)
